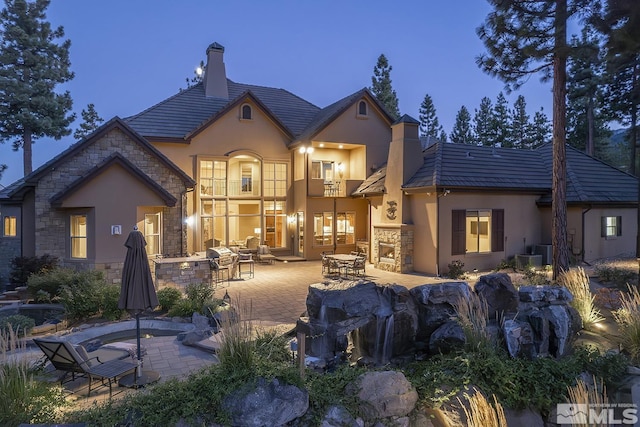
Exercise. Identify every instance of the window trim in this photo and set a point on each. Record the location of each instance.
(9, 223)
(604, 227)
(246, 108)
(359, 113)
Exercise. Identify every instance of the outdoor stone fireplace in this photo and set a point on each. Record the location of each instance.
(393, 248)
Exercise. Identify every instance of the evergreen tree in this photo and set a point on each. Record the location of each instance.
(381, 86)
(483, 123)
(31, 66)
(90, 121)
(525, 38)
(586, 125)
(520, 126)
(461, 133)
(442, 137)
(540, 129)
(429, 125)
(501, 131)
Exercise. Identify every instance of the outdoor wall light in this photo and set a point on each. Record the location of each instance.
(305, 150)
(189, 221)
(291, 219)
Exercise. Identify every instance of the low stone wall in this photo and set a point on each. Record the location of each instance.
(179, 272)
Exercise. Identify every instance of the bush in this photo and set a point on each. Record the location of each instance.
(18, 323)
(199, 294)
(80, 292)
(182, 308)
(456, 269)
(46, 287)
(168, 297)
(23, 267)
(109, 305)
(22, 398)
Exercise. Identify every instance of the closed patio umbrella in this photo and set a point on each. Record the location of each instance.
(137, 295)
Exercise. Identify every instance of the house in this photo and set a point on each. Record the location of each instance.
(483, 205)
(231, 164)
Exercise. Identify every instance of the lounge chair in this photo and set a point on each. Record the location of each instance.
(75, 360)
(264, 254)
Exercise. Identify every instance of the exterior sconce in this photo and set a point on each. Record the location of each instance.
(340, 170)
(291, 219)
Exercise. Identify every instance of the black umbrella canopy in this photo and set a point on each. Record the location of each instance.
(137, 292)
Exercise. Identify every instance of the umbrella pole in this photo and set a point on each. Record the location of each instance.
(139, 370)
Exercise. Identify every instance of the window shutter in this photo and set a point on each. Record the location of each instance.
(458, 232)
(619, 224)
(603, 226)
(497, 230)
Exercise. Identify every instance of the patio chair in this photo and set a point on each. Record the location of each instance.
(264, 254)
(75, 360)
(356, 269)
(330, 266)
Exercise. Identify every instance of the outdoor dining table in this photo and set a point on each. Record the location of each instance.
(346, 258)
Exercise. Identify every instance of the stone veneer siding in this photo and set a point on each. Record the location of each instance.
(402, 239)
(10, 247)
(50, 226)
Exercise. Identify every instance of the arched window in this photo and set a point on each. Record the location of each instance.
(362, 108)
(246, 112)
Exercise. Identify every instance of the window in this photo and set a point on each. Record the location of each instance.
(275, 179)
(10, 226)
(213, 216)
(362, 108)
(322, 169)
(477, 231)
(275, 221)
(246, 177)
(611, 226)
(152, 227)
(78, 236)
(323, 227)
(213, 178)
(246, 112)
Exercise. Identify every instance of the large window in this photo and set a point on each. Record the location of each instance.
(322, 169)
(275, 179)
(323, 228)
(477, 231)
(244, 176)
(611, 226)
(213, 178)
(78, 236)
(213, 218)
(10, 226)
(152, 227)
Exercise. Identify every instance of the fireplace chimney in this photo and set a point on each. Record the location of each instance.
(215, 76)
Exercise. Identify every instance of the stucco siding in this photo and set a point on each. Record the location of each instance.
(424, 212)
(597, 247)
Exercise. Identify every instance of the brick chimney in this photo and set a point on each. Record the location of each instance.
(215, 76)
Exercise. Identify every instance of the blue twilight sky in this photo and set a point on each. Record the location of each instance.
(128, 55)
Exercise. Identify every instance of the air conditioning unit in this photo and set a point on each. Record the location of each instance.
(547, 253)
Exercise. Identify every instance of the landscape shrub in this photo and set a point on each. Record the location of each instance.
(18, 323)
(109, 303)
(46, 287)
(479, 412)
(456, 269)
(168, 297)
(236, 353)
(82, 293)
(23, 399)
(472, 315)
(577, 282)
(23, 267)
(182, 308)
(617, 274)
(200, 294)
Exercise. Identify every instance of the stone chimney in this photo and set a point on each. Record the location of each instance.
(215, 76)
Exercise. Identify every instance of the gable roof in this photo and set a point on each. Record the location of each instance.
(113, 159)
(325, 116)
(177, 117)
(17, 189)
(470, 167)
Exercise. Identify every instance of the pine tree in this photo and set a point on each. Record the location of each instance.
(540, 129)
(500, 125)
(442, 137)
(525, 38)
(483, 123)
(31, 66)
(461, 133)
(429, 125)
(381, 87)
(90, 122)
(520, 126)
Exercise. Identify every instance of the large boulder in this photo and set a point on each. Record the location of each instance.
(554, 328)
(499, 293)
(519, 339)
(447, 338)
(338, 416)
(384, 394)
(266, 404)
(436, 305)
